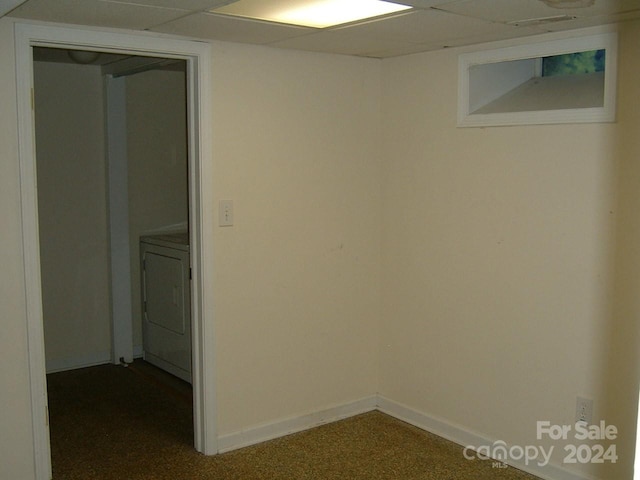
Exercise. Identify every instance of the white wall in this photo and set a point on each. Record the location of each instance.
(498, 259)
(157, 159)
(73, 223)
(296, 147)
(621, 377)
(497, 256)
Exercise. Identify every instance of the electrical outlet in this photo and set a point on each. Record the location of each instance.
(584, 410)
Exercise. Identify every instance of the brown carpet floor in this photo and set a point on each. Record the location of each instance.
(134, 423)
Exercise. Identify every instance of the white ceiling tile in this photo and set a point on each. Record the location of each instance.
(344, 42)
(423, 3)
(406, 49)
(96, 13)
(432, 24)
(191, 5)
(593, 21)
(501, 10)
(220, 27)
(493, 37)
(513, 10)
(516, 32)
(427, 27)
(607, 7)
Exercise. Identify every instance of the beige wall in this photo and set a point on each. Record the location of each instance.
(73, 223)
(296, 143)
(157, 157)
(622, 368)
(499, 250)
(495, 249)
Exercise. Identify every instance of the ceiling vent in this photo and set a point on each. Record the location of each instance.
(530, 22)
(569, 3)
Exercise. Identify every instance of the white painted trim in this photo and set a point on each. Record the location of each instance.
(287, 426)
(118, 174)
(437, 426)
(71, 363)
(198, 58)
(31, 258)
(636, 463)
(201, 220)
(465, 437)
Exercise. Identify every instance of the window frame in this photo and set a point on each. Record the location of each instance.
(606, 113)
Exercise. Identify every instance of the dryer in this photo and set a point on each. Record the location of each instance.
(166, 302)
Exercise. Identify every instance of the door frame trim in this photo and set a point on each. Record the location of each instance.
(198, 57)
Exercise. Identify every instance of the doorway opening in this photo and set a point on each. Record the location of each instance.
(112, 170)
(111, 143)
(196, 58)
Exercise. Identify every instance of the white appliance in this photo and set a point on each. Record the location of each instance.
(166, 302)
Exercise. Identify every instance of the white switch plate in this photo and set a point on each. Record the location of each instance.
(584, 410)
(225, 213)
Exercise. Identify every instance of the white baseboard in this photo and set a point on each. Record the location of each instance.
(464, 437)
(78, 361)
(269, 431)
(440, 427)
(81, 361)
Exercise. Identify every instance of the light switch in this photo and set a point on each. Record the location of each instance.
(225, 213)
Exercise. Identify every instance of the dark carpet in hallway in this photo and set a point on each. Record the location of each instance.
(116, 423)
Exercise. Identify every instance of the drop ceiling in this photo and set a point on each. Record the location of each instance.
(429, 25)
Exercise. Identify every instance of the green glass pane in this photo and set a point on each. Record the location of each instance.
(574, 63)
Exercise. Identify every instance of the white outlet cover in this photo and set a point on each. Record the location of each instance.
(584, 410)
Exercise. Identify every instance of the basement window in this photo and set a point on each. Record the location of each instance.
(578, 63)
(562, 81)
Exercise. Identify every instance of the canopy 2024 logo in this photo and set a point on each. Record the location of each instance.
(582, 451)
